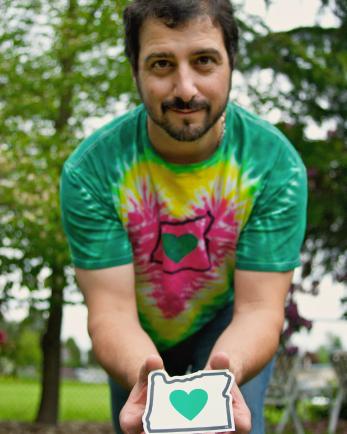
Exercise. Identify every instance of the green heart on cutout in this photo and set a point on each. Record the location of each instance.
(190, 404)
(176, 248)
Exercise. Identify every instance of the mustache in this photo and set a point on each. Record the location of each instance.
(179, 104)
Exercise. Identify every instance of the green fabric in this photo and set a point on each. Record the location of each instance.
(185, 227)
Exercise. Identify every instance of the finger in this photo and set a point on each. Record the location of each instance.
(243, 419)
(242, 414)
(152, 363)
(237, 395)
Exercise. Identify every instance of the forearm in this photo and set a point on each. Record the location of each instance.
(120, 346)
(250, 341)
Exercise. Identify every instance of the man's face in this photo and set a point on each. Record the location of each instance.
(184, 76)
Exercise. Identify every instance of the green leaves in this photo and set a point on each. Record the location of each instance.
(61, 64)
(308, 69)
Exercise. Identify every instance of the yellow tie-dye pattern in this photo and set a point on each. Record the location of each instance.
(180, 193)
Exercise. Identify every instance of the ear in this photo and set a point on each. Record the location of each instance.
(235, 58)
(135, 77)
(133, 74)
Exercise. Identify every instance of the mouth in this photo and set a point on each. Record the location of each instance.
(183, 108)
(185, 111)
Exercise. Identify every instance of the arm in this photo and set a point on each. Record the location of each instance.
(252, 337)
(119, 342)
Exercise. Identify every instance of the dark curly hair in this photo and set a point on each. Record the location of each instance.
(175, 13)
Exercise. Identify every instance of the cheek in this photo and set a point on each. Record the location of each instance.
(222, 89)
(216, 86)
(157, 90)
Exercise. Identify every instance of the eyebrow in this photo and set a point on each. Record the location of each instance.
(168, 55)
(159, 54)
(208, 51)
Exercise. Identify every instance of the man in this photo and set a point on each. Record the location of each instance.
(185, 217)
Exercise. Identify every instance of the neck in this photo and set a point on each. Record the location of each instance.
(178, 152)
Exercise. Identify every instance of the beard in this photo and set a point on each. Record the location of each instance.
(187, 131)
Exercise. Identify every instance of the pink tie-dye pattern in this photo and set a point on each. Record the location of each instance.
(172, 292)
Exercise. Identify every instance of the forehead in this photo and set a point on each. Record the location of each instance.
(197, 34)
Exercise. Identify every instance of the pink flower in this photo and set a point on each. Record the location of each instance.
(3, 337)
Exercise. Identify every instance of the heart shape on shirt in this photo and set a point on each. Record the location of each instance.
(190, 404)
(177, 247)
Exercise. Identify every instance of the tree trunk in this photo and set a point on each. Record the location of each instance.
(51, 348)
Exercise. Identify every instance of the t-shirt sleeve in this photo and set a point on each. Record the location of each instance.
(95, 234)
(272, 238)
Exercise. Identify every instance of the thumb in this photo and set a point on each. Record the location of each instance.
(152, 363)
(219, 360)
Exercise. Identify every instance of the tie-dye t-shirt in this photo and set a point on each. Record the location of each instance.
(184, 227)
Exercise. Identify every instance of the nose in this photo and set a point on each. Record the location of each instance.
(185, 83)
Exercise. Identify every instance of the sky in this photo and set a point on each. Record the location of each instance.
(286, 14)
(325, 309)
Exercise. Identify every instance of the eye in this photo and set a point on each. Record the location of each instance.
(161, 64)
(205, 61)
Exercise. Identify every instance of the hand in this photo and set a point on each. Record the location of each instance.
(242, 415)
(131, 415)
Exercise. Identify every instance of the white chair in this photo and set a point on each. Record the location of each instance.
(339, 363)
(283, 390)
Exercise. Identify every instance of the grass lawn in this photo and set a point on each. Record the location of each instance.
(19, 400)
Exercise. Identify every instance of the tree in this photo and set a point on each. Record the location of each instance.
(72, 354)
(333, 343)
(301, 75)
(9, 334)
(91, 358)
(21, 346)
(60, 65)
(28, 349)
(307, 67)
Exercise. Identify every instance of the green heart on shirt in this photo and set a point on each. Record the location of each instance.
(176, 248)
(190, 404)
